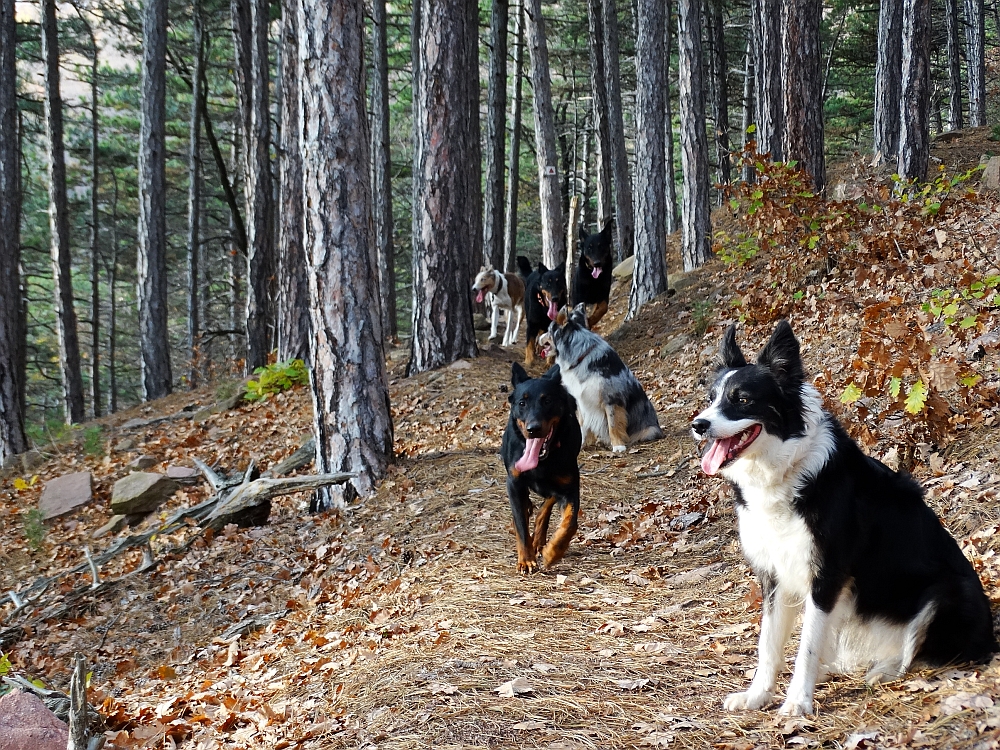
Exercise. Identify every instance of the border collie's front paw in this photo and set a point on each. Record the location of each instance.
(749, 700)
(796, 707)
(618, 448)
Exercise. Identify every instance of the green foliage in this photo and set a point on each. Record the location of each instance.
(916, 398)
(277, 378)
(5, 667)
(93, 440)
(701, 314)
(851, 394)
(34, 528)
(225, 390)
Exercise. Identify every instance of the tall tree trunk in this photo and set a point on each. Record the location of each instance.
(62, 272)
(955, 120)
(294, 327)
(624, 210)
(599, 95)
(914, 110)
(447, 200)
(237, 259)
(95, 233)
(749, 91)
(553, 241)
(766, 16)
(259, 197)
(668, 116)
(350, 392)
(514, 177)
(112, 271)
(12, 325)
(695, 211)
(803, 78)
(888, 81)
(496, 136)
(194, 194)
(720, 72)
(975, 53)
(381, 166)
(649, 278)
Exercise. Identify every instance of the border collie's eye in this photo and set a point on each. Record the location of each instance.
(742, 400)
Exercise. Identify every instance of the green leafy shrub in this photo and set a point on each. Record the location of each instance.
(281, 376)
(93, 441)
(34, 528)
(701, 315)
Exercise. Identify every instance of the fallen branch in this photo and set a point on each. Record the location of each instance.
(259, 493)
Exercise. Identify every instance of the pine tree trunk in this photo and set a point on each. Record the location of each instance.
(95, 233)
(382, 175)
(350, 391)
(770, 98)
(113, 303)
(624, 209)
(975, 53)
(12, 325)
(293, 277)
(720, 72)
(447, 230)
(888, 81)
(259, 197)
(237, 257)
(599, 95)
(649, 277)
(749, 91)
(803, 87)
(955, 119)
(553, 241)
(194, 194)
(514, 178)
(668, 116)
(62, 272)
(496, 137)
(914, 110)
(695, 211)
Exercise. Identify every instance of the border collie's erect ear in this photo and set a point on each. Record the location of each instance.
(730, 354)
(579, 314)
(517, 374)
(781, 356)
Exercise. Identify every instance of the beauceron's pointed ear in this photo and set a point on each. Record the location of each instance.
(781, 356)
(583, 233)
(730, 355)
(553, 373)
(609, 227)
(517, 374)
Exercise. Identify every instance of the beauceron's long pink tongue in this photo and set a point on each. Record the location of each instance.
(553, 312)
(716, 454)
(596, 272)
(532, 450)
(479, 297)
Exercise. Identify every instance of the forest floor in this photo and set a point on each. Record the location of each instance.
(400, 622)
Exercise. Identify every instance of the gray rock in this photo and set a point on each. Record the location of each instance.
(124, 446)
(480, 322)
(65, 494)
(113, 526)
(135, 423)
(991, 175)
(674, 345)
(141, 492)
(24, 462)
(225, 405)
(26, 724)
(460, 364)
(143, 462)
(183, 473)
(624, 269)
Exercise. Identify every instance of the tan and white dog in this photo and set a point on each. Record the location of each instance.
(507, 291)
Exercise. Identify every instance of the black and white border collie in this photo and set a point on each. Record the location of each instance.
(833, 532)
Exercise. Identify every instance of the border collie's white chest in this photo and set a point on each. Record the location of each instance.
(776, 540)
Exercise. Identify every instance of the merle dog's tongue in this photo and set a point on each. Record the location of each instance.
(553, 312)
(532, 450)
(716, 454)
(596, 272)
(479, 297)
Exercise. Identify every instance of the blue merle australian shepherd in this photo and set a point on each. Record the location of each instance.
(834, 534)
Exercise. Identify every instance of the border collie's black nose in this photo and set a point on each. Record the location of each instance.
(700, 426)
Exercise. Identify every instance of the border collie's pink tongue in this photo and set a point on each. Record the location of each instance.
(553, 312)
(716, 454)
(479, 297)
(596, 272)
(532, 451)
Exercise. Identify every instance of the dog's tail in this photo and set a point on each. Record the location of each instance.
(523, 266)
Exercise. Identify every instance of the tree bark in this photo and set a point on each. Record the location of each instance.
(599, 94)
(695, 211)
(112, 271)
(649, 277)
(668, 116)
(955, 119)
(553, 241)
(237, 257)
(720, 74)
(447, 230)
(888, 81)
(12, 325)
(194, 193)
(975, 53)
(95, 233)
(350, 391)
(749, 91)
(766, 15)
(382, 175)
(496, 137)
(914, 110)
(294, 327)
(514, 178)
(803, 79)
(62, 272)
(624, 209)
